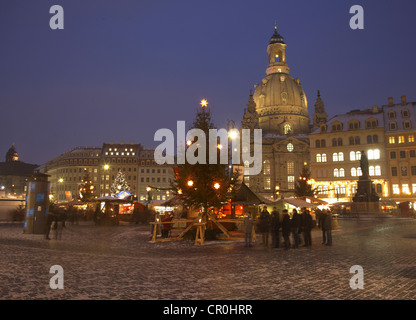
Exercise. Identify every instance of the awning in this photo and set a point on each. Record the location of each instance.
(299, 203)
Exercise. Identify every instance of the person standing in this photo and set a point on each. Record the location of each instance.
(307, 227)
(275, 228)
(328, 228)
(295, 226)
(166, 227)
(286, 226)
(264, 226)
(50, 218)
(321, 219)
(248, 228)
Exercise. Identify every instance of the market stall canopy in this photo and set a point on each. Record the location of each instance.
(298, 202)
(107, 198)
(313, 200)
(246, 196)
(175, 201)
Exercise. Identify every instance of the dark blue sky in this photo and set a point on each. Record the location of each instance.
(122, 69)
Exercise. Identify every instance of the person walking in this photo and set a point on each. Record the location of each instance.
(328, 228)
(286, 227)
(264, 226)
(295, 227)
(307, 227)
(248, 228)
(275, 228)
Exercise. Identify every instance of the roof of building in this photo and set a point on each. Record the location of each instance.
(17, 168)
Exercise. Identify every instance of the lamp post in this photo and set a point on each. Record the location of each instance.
(60, 182)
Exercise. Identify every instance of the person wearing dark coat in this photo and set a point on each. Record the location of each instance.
(275, 228)
(328, 228)
(49, 219)
(286, 228)
(295, 226)
(321, 219)
(264, 226)
(307, 227)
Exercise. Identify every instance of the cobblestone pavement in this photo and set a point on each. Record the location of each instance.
(122, 263)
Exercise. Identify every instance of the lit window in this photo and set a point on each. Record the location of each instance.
(358, 155)
(290, 167)
(377, 171)
(324, 157)
(359, 172)
(287, 128)
(396, 189)
(341, 156)
(318, 158)
(353, 172)
(401, 139)
(341, 172)
(414, 188)
(392, 140)
(289, 147)
(411, 138)
(352, 156)
(336, 173)
(335, 157)
(374, 154)
(267, 183)
(405, 188)
(266, 167)
(291, 182)
(371, 170)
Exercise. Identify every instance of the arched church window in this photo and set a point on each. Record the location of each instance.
(289, 147)
(287, 128)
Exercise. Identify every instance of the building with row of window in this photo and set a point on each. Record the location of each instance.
(102, 164)
(387, 137)
(330, 149)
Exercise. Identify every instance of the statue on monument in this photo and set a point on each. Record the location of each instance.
(364, 165)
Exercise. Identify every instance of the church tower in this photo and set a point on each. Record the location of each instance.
(320, 116)
(279, 108)
(281, 102)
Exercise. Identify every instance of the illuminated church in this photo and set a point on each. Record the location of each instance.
(279, 107)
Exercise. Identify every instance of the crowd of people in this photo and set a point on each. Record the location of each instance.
(288, 227)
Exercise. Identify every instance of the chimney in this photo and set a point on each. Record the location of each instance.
(391, 101)
(375, 109)
(403, 99)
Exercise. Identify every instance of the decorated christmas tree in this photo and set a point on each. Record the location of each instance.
(204, 185)
(119, 184)
(86, 188)
(303, 186)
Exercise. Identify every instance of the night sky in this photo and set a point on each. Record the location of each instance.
(122, 69)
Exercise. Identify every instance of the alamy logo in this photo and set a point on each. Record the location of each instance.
(196, 152)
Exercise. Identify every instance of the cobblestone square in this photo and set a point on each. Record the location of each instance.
(122, 263)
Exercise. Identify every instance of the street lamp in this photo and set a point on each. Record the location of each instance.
(190, 183)
(217, 185)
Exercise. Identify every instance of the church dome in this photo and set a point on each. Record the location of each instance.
(12, 154)
(280, 99)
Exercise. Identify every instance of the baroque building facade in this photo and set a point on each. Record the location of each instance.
(387, 136)
(279, 108)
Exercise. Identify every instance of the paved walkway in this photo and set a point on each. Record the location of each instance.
(121, 263)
